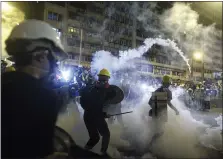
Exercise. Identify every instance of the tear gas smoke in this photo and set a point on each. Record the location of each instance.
(104, 59)
(181, 22)
(182, 132)
(110, 10)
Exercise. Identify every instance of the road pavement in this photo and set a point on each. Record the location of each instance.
(208, 117)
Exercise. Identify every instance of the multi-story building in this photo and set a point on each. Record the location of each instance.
(86, 27)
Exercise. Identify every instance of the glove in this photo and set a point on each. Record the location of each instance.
(177, 113)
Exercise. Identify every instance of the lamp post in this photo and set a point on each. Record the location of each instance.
(80, 53)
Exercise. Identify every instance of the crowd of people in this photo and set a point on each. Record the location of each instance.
(198, 97)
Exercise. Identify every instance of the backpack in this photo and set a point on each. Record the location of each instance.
(158, 103)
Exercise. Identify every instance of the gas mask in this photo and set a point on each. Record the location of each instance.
(102, 84)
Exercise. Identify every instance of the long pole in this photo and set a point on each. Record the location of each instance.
(121, 113)
(80, 48)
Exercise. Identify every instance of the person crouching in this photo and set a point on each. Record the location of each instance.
(93, 99)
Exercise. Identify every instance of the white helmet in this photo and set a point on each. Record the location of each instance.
(34, 30)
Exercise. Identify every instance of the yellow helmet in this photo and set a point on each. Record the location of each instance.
(104, 72)
(166, 79)
(9, 69)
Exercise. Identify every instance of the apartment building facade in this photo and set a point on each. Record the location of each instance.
(86, 27)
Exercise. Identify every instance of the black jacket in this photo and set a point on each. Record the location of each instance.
(29, 113)
(93, 99)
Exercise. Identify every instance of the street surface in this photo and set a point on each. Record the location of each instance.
(208, 117)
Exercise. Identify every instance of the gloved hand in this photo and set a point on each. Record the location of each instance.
(177, 112)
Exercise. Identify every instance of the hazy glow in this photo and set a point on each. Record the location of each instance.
(197, 55)
(11, 17)
(66, 75)
(6, 7)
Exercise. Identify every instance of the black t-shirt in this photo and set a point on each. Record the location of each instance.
(29, 113)
(93, 99)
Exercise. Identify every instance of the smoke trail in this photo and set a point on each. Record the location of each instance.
(104, 59)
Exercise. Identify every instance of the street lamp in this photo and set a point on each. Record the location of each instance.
(198, 56)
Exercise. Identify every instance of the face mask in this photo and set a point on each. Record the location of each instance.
(102, 84)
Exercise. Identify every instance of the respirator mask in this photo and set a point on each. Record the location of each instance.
(102, 84)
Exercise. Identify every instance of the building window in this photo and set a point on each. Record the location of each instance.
(73, 42)
(72, 15)
(87, 46)
(88, 58)
(73, 30)
(69, 56)
(54, 16)
(156, 71)
(126, 20)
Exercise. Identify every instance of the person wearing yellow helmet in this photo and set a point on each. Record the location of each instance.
(104, 72)
(29, 110)
(93, 100)
(103, 78)
(158, 102)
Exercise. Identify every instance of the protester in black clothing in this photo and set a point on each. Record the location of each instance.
(159, 108)
(93, 99)
(29, 110)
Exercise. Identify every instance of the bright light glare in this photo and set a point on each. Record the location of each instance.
(6, 7)
(65, 75)
(75, 79)
(144, 86)
(197, 55)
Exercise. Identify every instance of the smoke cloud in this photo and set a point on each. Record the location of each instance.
(182, 132)
(104, 59)
(181, 22)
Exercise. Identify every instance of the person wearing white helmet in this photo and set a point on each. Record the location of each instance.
(29, 111)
